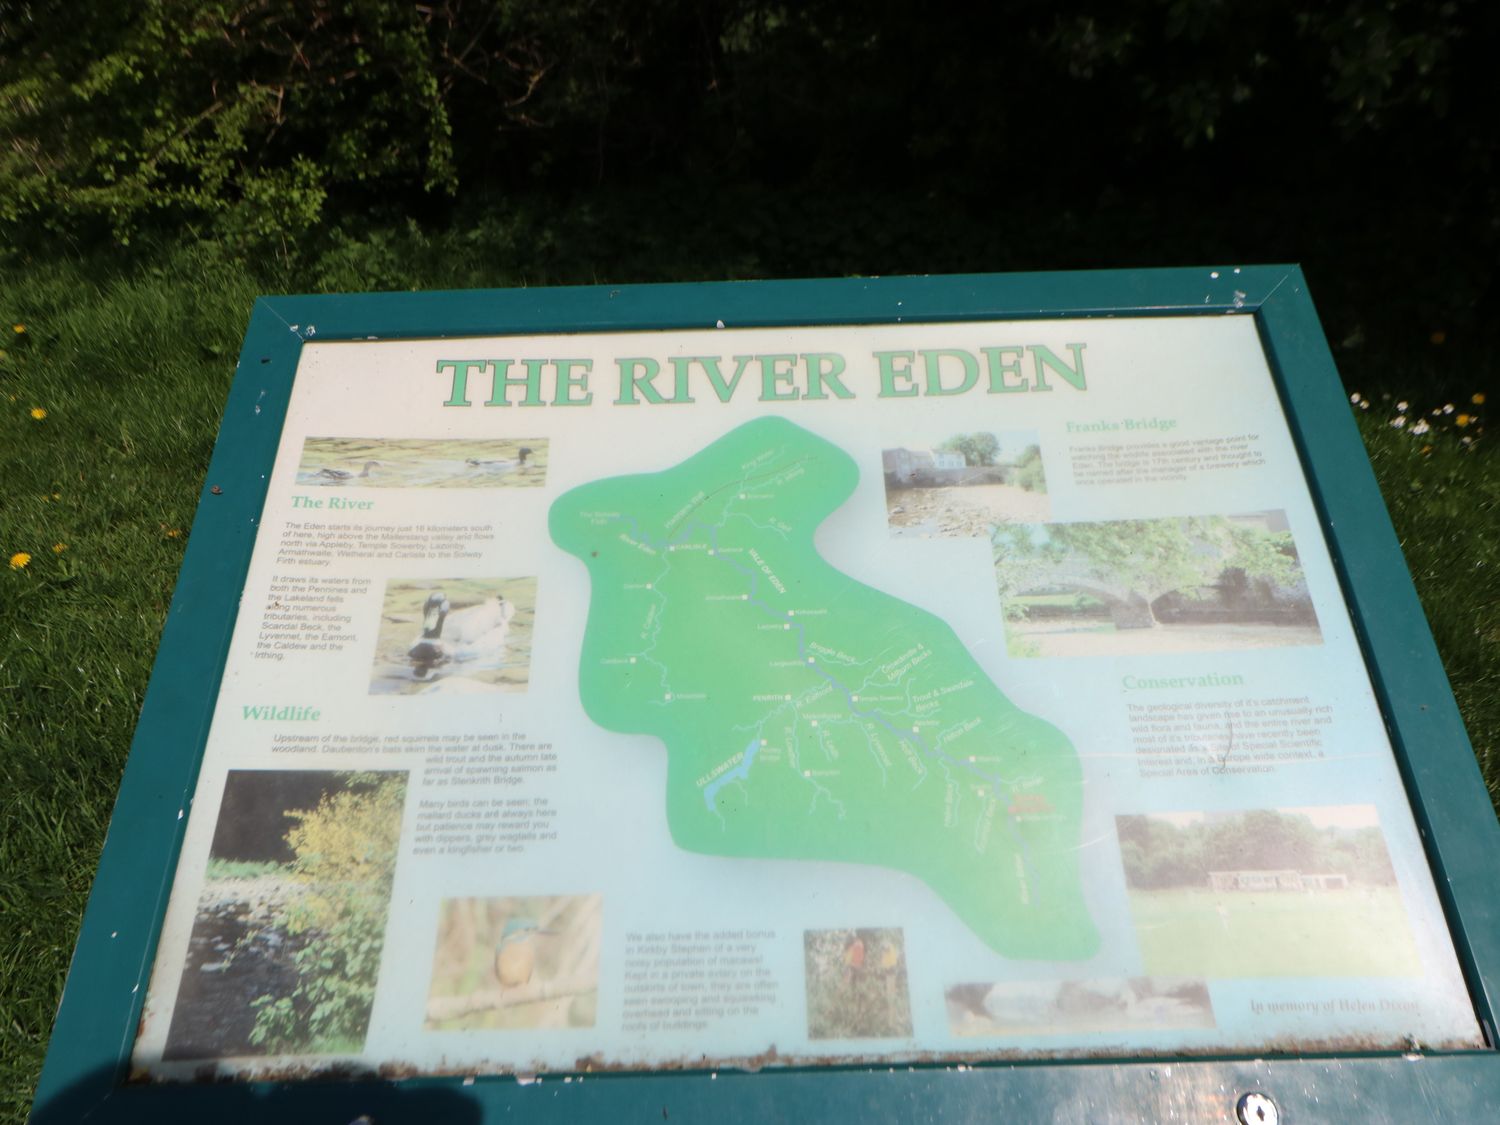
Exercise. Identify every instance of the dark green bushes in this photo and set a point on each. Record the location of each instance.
(260, 119)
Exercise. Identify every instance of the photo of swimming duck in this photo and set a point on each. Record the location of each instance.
(476, 632)
(454, 636)
(334, 474)
(500, 465)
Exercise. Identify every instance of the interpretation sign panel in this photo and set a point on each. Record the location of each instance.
(738, 696)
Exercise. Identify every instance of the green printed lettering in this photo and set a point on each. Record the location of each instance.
(933, 359)
(889, 373)
(501, 383)
(568, 383)
(681, 368)
(1045, 357)
(724, 390)
(825, 368)
(459, 388)
(1005, 370)
(776, 370)
(636, 375)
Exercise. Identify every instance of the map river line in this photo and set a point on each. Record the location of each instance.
(806, 715)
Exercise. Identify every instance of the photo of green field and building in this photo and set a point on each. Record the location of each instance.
(1206, 890)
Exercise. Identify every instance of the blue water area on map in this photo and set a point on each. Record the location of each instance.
(740, 772)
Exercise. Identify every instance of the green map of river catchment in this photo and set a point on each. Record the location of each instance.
(809, 716)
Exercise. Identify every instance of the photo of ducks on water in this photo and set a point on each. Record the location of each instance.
(444, 635)
(337, 462)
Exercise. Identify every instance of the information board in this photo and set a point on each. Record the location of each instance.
(945, 689)
(797, 694)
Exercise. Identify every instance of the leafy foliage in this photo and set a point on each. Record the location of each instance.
(346, 855)
(856, 984)
(1149, 558)
(259, 118)
(1211, 65)
(1158, 853)
(1030, 473)
(239, 869)
(978, 449)
(251, 114)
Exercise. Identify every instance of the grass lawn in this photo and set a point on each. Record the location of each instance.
(1361, 932)
(240, 869)
(112, 380)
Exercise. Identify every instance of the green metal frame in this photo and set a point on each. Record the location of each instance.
(87, 1067)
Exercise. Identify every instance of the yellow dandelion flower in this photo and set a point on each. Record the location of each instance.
(38, 413)
(1463, 419)
(174, 533)
(18, 329)
(59, 548)
(19, 560)
(1478, 399)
